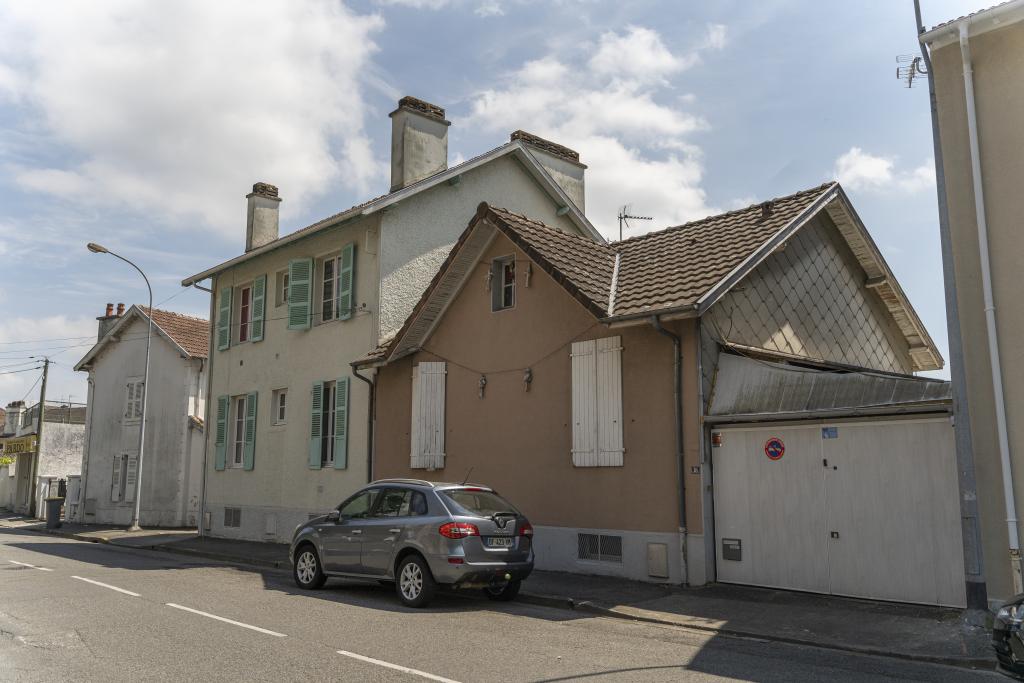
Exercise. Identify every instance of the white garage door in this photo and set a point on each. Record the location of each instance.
(866, 509)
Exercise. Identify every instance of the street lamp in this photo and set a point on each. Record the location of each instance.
(100, 249)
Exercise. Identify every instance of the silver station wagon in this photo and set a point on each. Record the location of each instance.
(421, 535)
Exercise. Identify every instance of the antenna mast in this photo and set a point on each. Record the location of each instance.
(625, 217)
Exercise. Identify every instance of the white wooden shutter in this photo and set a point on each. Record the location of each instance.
(415, 459)
(130, 477)
(584, 404)
(115, 480)
(609, 402)
(431, 414)
(129, 400)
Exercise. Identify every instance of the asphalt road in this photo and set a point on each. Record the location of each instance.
(81, 611)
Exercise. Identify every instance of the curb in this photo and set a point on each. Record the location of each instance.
(567, 603)
(560, 602)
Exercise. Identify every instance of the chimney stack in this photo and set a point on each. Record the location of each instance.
(419, 142)
(12, 420)
(107, 320)
(561, 163)
(262, 217)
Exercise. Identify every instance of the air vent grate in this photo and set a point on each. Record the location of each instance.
(599, 547)
(233, 517)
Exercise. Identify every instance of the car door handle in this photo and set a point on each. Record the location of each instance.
(356, 532)
(394, 531)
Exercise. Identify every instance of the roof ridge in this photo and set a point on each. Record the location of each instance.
(544, 226)
(716, 216)
(174, 313)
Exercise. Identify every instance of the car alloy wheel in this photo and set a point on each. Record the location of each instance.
(411, 581)
(305, 567)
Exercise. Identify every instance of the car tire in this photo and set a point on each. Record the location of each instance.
(414, 583)
(306, 570)
(505, 593)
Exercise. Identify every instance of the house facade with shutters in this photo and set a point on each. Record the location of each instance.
(587, 381)
(172, 464)
(289, 421)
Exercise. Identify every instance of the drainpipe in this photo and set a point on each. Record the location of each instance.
(83, 486)
(990, 315)
(206, 406)
(677, 382)
(370, 410)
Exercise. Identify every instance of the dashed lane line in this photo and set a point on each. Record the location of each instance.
(226, 620)
(107, 585)
(397, 667)
(26, 564)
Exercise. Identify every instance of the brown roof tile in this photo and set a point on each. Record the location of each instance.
(191, 334)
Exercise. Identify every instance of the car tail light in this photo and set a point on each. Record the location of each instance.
(526, 529)
(456, 560)
(458, 530)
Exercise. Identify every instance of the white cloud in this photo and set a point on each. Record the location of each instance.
(177, 108)
(63, 338)
(484, 8)
(489, 8)
(860, 170)
(607, 105)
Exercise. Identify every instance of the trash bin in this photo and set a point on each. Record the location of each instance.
(53, 506)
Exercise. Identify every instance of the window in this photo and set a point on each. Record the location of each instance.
(328, 289)
(233, 517)
(238, 431)
(503, 283)
(337, 285)
(418, 504)
(244, 313)
(133, 399)
(359, 505)
(393, 503)
(281, 288)
(280, 406)
(597, 403)
(327, 425)
(124, 477)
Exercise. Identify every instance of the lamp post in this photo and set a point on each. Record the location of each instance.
(99, 249)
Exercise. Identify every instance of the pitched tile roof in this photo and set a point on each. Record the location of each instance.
(674, 267)
(191, 334)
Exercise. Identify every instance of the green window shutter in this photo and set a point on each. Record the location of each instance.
(341, 423)
(300, 293)
(221, 433)
(316, 422)
(249, 448)
(224, 318)
(259, 307)
(347, 281)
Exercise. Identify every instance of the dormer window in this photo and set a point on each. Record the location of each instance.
(503, 283)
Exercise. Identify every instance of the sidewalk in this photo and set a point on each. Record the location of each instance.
(914, 632)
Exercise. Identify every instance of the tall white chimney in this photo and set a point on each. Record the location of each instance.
(419, 142)
(262, 220)
(561, 163)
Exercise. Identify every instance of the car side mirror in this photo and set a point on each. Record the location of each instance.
(333, 516)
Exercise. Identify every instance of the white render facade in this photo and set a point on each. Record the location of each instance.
(288, 423)
(172, 462)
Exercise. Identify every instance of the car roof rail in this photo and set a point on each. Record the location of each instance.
(420, 482)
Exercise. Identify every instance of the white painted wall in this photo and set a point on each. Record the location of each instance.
(170, 485)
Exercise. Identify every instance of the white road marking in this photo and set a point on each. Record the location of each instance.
(225, 620)
(26, 564)
(106, 585)
(397, 667)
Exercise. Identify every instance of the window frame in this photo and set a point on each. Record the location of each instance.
(279, 407)
(237, 430)
(375, 492)
(334, 259)
(500, 267)
(281, 283)
(244, 313)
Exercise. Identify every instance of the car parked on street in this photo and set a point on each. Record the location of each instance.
(422, 536)
(1008, 637)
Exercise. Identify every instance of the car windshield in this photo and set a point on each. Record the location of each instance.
(477, 503)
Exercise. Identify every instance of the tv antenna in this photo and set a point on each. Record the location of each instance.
(912, 67)
(625, 217)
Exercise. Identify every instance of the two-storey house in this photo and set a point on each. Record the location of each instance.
(290, 427)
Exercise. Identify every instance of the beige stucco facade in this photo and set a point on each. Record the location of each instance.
(397, 252)
(998, 71)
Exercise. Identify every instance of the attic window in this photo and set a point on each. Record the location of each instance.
(503, 283)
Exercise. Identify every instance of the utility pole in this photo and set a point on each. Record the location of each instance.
(39, 440)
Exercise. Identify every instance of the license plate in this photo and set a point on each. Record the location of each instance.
(499, 542)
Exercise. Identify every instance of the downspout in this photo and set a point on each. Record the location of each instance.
(206, 408)
(974, 564)
(371, 408)
(990, 315)
(677, 383)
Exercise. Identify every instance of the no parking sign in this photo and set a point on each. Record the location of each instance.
(774, 448)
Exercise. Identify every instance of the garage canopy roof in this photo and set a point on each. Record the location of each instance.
(749, 390)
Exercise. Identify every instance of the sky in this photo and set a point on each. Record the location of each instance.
(142, 126)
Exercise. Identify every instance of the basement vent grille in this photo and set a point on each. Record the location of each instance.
(233, 517)
(599, 547)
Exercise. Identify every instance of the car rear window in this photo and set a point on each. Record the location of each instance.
(477, 503)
